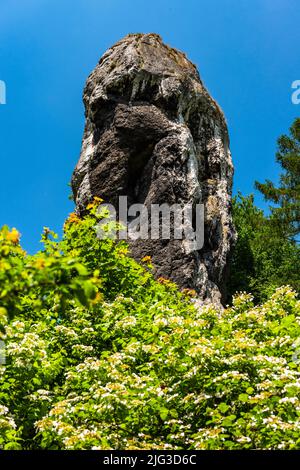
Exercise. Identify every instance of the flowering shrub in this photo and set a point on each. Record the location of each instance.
(101, 356)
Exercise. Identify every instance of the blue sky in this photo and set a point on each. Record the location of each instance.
(247, 53)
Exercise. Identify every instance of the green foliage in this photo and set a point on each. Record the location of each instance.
(100, 355)
(286, 213)
(263, 258)
(267, 255)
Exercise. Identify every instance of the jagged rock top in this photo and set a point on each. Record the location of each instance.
(148, 52)
(145, 57)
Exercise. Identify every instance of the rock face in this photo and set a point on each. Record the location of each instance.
(154, 134)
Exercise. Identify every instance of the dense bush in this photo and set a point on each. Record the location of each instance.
(99, 355)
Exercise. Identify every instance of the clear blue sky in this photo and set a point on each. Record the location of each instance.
(247, 53)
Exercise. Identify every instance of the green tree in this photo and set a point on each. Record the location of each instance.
(286, 196)
(264, 258)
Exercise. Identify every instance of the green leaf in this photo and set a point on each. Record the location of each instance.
(223, 407)
(163, 413)
(243, 397)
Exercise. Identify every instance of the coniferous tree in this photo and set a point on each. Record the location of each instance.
(286, 196)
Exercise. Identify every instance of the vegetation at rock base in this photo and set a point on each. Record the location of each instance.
(100, 355)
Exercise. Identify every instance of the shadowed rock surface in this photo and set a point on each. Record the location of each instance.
(154, 134)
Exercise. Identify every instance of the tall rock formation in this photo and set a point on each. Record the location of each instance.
(154, 134)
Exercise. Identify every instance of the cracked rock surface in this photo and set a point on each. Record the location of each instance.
(154, 134)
